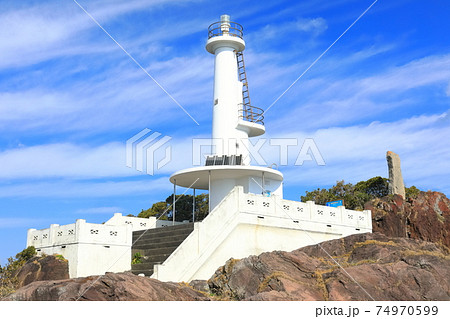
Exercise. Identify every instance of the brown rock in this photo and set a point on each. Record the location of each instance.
(42, 268)
(425, 217)
(118, 287)
(373, 267)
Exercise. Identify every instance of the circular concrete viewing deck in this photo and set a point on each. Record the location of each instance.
(188, 177)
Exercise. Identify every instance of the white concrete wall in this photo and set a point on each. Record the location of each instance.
(247, 224)
(136, 222)
(139, 223)
(91, 249)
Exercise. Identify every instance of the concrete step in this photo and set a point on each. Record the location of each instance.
(156, 245)
(144, 245)
(161, 237)
(154, 251)
(143, 241)
(162, 230)
(155, 258)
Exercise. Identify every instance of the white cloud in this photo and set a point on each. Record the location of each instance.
(36, 34)
(334, 102)
(72, 161)
(54, 29)
(78, 189)
(64, 160)
(421, 72)
(119, 99)
(313, 25)
(309, 26)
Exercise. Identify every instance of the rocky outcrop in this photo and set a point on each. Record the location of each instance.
(42, 268)
(426, 217)
(117, 287)
(374, 267)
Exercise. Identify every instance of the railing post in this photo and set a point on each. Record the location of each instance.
(209, 191)
(193, 207)
(174, 199)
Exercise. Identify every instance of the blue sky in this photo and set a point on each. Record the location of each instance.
(70, 97)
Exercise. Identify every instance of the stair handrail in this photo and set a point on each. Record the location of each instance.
(251, 113)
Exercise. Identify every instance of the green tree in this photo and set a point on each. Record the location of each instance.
(319, 196)
(159, 210)
(183, 208)
(374, 187)
(354, 196)
(8, 280)
(411, 192)
(201, 207)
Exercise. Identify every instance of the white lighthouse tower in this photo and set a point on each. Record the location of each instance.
(234, 121)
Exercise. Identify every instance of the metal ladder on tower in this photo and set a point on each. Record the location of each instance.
(246, 113)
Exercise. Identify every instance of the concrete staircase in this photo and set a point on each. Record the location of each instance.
(156, 245)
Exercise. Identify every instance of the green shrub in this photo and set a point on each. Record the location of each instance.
(355, 196)
(412, 192)
(137, 259)
(8, 280)
(183, 207)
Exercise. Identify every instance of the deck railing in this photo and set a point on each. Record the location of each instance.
(225, 28)
(251, 113)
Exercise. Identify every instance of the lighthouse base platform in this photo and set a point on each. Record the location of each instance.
(220, 180)
(245, 224)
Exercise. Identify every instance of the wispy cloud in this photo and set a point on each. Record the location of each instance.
(100, 101)
(310, 26)
(57, 30)
(86, 189)
(343, 101)
(64, 160)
